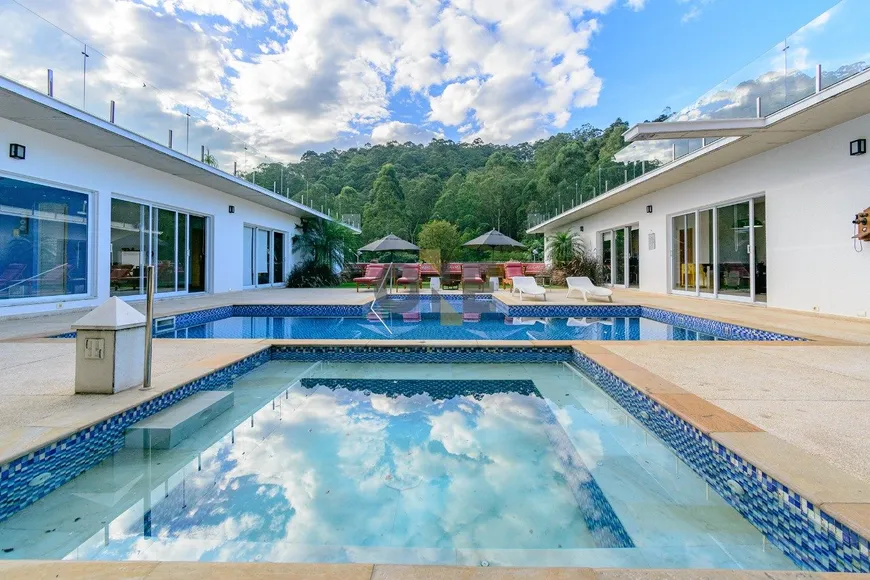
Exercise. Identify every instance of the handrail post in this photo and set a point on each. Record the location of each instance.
(149, 324)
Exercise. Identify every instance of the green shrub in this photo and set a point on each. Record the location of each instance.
(312, 275)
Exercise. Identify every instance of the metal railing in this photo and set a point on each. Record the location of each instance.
(40, 55)
(830, 49)
(381, 292)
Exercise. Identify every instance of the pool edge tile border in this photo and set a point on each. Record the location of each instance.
(722, 468)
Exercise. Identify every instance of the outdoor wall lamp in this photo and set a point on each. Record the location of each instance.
(649, 209)
(232, 209)
(16, 151)
(856, 147)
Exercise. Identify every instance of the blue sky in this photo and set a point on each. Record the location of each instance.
(286, 76)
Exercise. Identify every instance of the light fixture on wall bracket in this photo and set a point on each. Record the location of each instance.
(649, 209)
(581, 228)
(17, 151)
(232, 209)
(858, 147)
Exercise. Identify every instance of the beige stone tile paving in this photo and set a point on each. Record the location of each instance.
(809, 396)
(38, 403)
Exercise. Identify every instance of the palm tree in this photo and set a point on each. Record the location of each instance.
(325, 243)
(564, 246)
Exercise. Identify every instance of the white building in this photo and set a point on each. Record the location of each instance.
(749, 194)
(91, 203)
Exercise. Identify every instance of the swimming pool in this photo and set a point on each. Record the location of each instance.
(434, 326)
(523, 464)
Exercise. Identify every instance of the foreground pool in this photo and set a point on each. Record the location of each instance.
(496, 464)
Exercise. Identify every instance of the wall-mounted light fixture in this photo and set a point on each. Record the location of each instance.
(232, 209)
(649, 209)
(581, 228)
(858, 147)
(16, 151)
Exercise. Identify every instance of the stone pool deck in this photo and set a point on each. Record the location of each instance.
(230, 571)
(797, 410)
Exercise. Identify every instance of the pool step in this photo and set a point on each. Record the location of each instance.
(169, 427)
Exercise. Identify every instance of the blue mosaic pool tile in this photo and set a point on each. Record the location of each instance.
(33, 476)
(811, 538)
(202, 316)
(421, 354)
(543, 310)
(439, 389)
(714, 327)
(300, 310)
(602, 522)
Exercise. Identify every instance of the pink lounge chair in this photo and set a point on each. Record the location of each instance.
(471, 275)
(372, 275)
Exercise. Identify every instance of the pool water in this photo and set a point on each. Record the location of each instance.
(429, 326)
(523, 464)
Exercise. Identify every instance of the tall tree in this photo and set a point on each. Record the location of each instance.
(385, 213)
(421, 193)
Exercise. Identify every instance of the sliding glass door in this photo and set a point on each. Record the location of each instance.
(263, 263)
(620, 256)
(721, 251)
(174, 242)
(634, 258)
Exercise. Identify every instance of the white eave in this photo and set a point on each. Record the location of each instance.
(23, 105)
(694, 129)
(833, 106)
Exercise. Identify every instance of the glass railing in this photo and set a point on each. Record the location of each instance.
(830, 49)
(45, 58)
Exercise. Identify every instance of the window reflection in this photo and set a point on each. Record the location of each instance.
(43, 240)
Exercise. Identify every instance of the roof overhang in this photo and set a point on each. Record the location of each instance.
(34, 109)
(694, 129)
(834, 106)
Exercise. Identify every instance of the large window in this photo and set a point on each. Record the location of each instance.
(175, 245)
(43, 241)
(725, 255)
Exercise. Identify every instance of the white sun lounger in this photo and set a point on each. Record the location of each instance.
(527, 285)
(585, 286)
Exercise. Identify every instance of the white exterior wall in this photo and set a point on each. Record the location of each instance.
(64, 164)
(813, 189)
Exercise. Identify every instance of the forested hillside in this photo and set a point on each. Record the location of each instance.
(396, 188)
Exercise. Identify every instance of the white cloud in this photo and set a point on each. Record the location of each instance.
(286, 76)
(694, 9)
(402, 133)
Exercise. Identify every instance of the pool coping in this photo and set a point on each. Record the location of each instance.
(817, 486)
(158, 570)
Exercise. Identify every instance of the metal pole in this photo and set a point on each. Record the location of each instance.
(202, 153)
(149, 323)
(235, 168)
(111, 111)
(818, 78)
(85, 77)
(170, 138)
(758, 107)
(50, 83)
